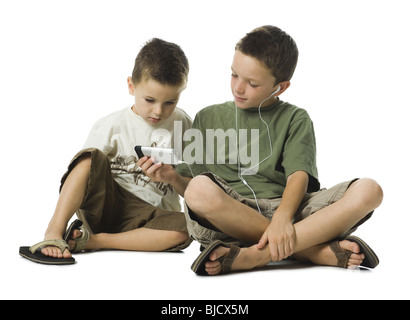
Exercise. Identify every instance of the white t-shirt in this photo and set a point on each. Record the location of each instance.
(117, 134)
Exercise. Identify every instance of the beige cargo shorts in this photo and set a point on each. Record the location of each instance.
(311, 203)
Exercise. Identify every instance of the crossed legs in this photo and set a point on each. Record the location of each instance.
(214, 208)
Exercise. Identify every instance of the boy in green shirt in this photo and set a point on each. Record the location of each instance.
(255, 197)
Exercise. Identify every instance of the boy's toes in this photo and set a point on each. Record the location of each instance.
(76, 233)
(356, 257)
(71, 242)
(213, 267)
(50, 252)
(55, 252)
(350, 245)
(218, 253)
(66, 254)
(45, 251)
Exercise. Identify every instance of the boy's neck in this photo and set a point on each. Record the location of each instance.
(134, 109)
(270, 102)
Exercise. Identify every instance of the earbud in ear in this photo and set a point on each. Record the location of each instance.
(276, 91)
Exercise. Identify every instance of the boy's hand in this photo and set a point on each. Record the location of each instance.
(157, 172)
(280, 235)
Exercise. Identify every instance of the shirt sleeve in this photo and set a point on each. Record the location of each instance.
(299, 152)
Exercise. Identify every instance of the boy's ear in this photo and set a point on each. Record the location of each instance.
(131, 86)
(284, 85)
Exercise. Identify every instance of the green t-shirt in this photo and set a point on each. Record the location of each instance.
(219, 131)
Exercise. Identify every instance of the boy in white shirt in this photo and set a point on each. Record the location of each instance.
(119, 206)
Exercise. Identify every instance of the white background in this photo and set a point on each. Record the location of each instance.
(64, 65)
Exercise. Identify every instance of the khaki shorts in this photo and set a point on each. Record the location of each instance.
(311, 203)
(109, 208)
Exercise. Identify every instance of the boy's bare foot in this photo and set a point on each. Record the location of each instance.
(247, 259)
(323, 254)
(252, 257)
(77, 234)
(55, 252)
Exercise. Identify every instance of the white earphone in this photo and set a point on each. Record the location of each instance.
(277, 90)
(240, 172)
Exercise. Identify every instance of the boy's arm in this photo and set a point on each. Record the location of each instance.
(160, 172)
(280, 234)
(180, 183)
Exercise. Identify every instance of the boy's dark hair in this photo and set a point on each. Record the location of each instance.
(272, 47)
(162, 61)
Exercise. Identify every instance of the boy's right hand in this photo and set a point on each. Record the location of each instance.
(280, 236)
(157, 172)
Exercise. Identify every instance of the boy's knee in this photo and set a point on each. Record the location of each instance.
(84, 157)
(85, 160)
(82, 164)
(179, 237)
(183, 237)
(371, 193)
(197, 190)
(201, 193)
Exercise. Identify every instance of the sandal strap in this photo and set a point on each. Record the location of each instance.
(341, 254)
(81, 241)
(59, 243)
(226, 261)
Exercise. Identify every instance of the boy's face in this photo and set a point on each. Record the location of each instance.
(154, 102)
(251, 82)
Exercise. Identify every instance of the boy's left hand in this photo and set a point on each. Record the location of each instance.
(281, 236)
(157, 172)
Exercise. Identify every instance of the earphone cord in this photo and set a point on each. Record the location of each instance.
(189, 167)
(270, 140)
(240, 172)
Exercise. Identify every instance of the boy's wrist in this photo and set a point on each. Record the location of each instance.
(282, 216)
(173, 178)
(179, 182)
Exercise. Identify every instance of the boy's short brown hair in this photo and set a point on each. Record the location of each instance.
(272, 47)
(162, 61)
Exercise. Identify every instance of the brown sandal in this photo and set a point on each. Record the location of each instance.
(226, 261)
(370, 261)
